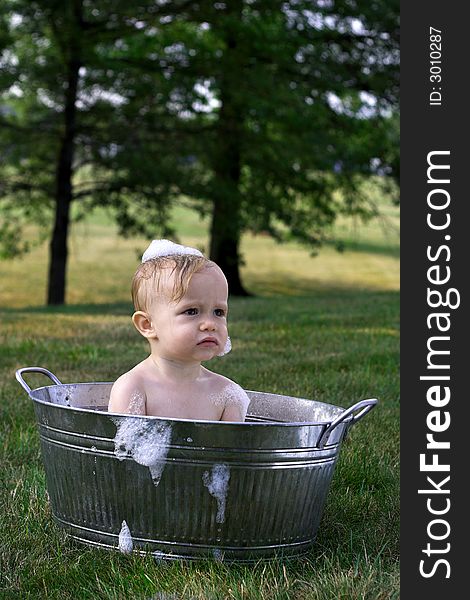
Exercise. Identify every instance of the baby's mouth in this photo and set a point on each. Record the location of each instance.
(208, 341)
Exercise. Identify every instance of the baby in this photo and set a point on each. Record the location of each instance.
(180, 299)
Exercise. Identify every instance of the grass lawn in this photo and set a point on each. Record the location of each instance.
(325, 328)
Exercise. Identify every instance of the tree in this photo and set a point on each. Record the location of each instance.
(257, 113)
(72, 129)
(292, 86)
(304, 97)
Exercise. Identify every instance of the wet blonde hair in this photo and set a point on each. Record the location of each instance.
(147, 280)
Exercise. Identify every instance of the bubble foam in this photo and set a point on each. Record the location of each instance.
(216, 481)
(160, 248)
(218, 554)
(126, 544)
(231, 395)
(145, 441)
(137, 403)
(227, 347)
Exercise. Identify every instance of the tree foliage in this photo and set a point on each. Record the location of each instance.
(304, 98)
(74, 80)
(257, 113)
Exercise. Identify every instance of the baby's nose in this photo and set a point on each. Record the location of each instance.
(208, 323)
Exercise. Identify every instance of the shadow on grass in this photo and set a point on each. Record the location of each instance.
(112, 308)
(385, 249)
(289, 287)
(294, 285)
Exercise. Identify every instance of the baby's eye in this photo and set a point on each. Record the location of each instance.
(219, 312)
(191, 312)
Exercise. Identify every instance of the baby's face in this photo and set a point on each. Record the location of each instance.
(195, 327)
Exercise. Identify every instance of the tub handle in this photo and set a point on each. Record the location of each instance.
(361, 408)
(24, 385)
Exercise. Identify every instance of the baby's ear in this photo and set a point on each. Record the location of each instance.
(143, 324)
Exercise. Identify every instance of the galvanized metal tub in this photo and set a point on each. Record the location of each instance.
(189, 489)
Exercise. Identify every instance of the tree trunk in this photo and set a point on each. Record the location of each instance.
(226, 226)
(58, 252)
(58, 246)
(225, 244)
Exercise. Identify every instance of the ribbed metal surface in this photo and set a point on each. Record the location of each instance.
(277, 487)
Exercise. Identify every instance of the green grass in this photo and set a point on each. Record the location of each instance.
(323, 328)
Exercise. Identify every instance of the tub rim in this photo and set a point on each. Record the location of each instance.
(348, 416)
(197, 421)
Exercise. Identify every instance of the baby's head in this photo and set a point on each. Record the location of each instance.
(166, 272)
(170, 277)
(166, 277)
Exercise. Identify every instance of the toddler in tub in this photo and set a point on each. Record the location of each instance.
(180, 299)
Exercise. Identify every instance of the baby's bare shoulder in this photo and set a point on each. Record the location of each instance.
(233, 399)
(216, 380)
(138, 375)
(225, 392)
(128, 380)
(128, 392)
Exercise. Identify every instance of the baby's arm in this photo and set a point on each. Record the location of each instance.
(236, 403)
(127, 396)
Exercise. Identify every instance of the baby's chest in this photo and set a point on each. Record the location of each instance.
(187, 405)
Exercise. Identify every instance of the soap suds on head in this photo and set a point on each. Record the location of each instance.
(125, 539)
(160, 248)
(216, 482)
(146, 441)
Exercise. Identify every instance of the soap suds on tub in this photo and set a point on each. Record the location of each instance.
(323, 414)
(216, 482)
(146, 441)
(218, 554)
(125, 539)
(64, 394)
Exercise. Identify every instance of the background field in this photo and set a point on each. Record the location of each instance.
(325, 327)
